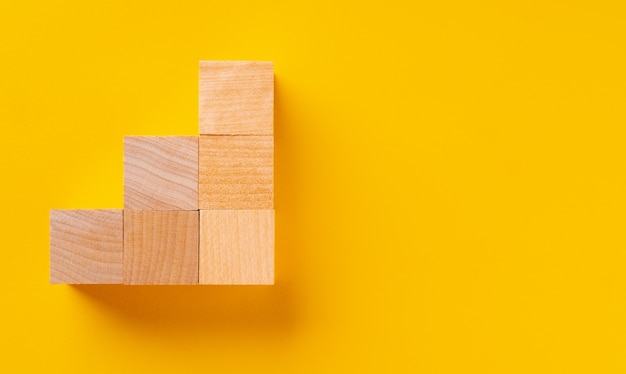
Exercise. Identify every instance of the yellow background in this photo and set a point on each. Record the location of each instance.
(450, 184)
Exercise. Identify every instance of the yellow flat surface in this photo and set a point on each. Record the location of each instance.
(450, 185)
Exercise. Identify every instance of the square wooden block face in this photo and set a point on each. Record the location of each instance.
(161, 173)
(236, 98)
(86, 246)
(236, 247)
(236, 172)
(161, 247)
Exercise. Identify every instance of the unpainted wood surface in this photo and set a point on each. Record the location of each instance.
(236, 98)
(236, 247)
(161, 172)
(86, 246)
(236, 172)
(160, 247)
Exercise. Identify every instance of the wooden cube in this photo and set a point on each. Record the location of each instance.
(86, 246)
(236, 98)
(236, 172)
(236, 247)
(161, 172)
(160, 247)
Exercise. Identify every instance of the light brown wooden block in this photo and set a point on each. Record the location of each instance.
(86, 246)
(160, 247)
(236, 172)
(236, 98)
(236, 247)
(161, 172)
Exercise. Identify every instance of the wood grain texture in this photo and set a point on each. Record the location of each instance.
(160, 247)
(236, 98)
(236, 247)
(236, 172)
(86, 246)
(161, 172)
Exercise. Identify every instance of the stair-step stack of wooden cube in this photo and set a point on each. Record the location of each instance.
(197, 209)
